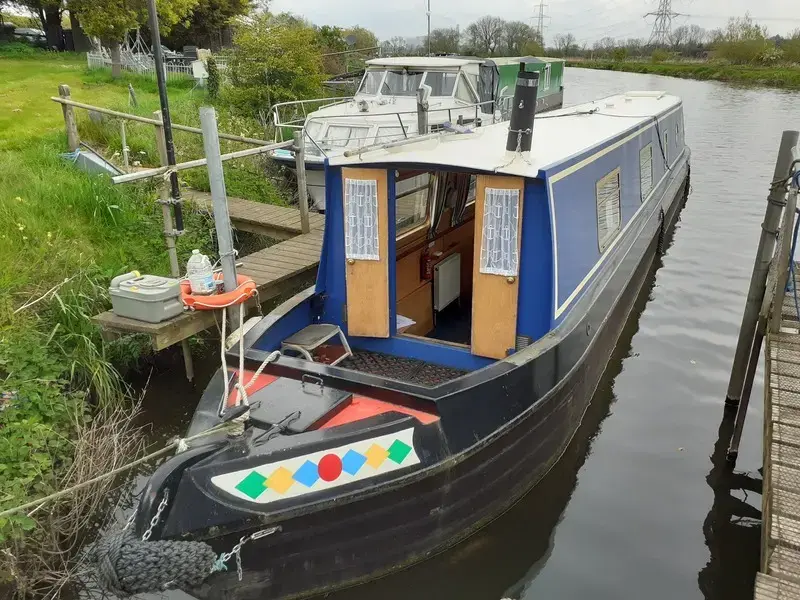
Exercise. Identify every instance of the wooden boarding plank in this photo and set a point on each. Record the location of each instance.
(784, 563)
(774, 588)
(285, 260)
(784, 339)
(785, 368)
(271, 269)
(785, 398)
(779, 382)
(786, 434)
(785, 352)
(786, 503)
(785, 455)
(785, 530)
(784, 476)
(785, 415)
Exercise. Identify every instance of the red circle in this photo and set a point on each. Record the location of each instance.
(330, 467)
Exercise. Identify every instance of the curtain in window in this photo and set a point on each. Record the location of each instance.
(499, 254)
(462, 198)
(608, 209)
(361, 218)
(646, 170)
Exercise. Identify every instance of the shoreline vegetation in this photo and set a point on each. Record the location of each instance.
(784, 77)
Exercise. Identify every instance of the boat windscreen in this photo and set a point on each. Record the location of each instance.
(402, 82)
(372, 82)
(441, 83)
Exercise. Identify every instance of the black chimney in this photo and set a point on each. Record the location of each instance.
(520, 128)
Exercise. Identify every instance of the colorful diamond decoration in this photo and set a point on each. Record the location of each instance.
(352, 461)
(376, 455)
(280, 480)
(398, 451)
(252, 486)
(307, 474)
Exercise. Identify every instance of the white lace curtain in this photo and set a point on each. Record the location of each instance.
(361, 219)
(499, 238)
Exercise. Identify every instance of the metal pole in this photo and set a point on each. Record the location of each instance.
(169, 237)
(219, 199)
(302, 186)
(158, 58)
(429, 27)
(766, 247)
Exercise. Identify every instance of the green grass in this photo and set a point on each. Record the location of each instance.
(787, 77)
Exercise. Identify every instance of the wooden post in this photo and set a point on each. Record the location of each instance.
(124, 138)
(71, 125)
(302, 186)
(766, 246)
(169, 234)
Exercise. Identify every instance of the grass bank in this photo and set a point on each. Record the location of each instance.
(787, 77)
(63, 236)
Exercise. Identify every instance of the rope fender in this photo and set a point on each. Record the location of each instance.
(127, 566)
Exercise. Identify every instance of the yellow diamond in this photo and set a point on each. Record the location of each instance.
(376, 455)
(280, 480)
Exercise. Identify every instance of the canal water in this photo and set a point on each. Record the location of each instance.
(641, 505)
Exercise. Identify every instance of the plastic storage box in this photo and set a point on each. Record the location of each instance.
(147, 298)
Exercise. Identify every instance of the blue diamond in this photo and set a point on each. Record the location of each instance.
(352, 462)
(307, 474)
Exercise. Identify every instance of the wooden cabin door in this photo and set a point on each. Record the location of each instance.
(495, 273)
(366, 230)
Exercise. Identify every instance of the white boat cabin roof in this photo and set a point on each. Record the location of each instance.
(422, 62)
(557, 136)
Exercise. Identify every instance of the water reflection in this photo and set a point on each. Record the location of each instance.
(732, 524)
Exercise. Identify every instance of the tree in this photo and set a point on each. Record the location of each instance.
(444, 41)
(207, 23)
(520, 38)
(274, 60)
(330, 40)
(48, 12)
(485, 34)
(742, 41)
(395, 46)
(362, 37)
(565, 44)
(110, 20)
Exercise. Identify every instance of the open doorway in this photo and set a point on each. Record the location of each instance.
(435, 232)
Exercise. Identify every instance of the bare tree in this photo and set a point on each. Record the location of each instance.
(444, 41)
(395, 46)
(565, 44)
(520, 38)
(485, 34)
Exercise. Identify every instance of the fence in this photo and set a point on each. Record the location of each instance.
(143, 64)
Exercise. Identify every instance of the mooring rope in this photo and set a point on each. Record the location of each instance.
(177, 443)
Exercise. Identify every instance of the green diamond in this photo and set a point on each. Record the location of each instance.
(398, 451)
(252, 486)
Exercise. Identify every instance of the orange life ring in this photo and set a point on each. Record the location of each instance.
(245, 289)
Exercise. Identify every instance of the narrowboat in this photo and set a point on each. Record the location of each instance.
(384, 108)
(471, 288)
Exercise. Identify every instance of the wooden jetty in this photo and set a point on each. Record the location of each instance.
(277, 222)
(772, 317)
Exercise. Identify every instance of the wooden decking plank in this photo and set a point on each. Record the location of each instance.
(270, 268)
(774, 588)
(786, 503)
(785, 530)
(784, 563)
(786, 368)
(785, 398)
(781, 382)
(785, 454)
(785, 434)
(286, 255)
(785, 415)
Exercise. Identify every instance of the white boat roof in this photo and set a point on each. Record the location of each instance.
(423, 62)
(557, 136)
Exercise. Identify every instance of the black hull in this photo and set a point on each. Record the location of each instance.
(343, 543)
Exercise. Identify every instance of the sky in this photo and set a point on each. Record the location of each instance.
(587, 20)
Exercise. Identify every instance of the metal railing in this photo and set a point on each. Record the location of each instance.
(143, 64)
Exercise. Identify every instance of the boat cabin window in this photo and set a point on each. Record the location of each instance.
(464, 92)
(341, 136)
(412, 193)
(608, 209)
(441, 83)
(390, 134)
(646, 171)
(403, 82)
(371, 83)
